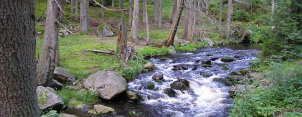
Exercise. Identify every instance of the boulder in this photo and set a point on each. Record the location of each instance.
(180, 67)
(180, 84)
(206, 64)
(227, 59)
(158, 77)
(170, 92)
(150, 66)
(55, 84)
(101, 109)
(107, 32)
(107, 84)
(63, 76)
(132, 95)
(48, 99)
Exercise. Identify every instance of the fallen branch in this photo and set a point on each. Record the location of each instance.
(108, 9)
(110, 52)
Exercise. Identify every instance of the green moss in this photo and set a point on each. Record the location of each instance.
(42, 98)
(150, 85)
(76, 97)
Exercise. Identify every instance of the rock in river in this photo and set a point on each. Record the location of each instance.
(227, 59)
(180, 84)
(170, 92)
(107, 84)
(158, 77)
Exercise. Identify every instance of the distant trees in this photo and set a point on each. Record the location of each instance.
(17, 59)
(84, 5)
(135, 20)
(158, 8)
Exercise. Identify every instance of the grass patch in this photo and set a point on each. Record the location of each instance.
(76, 97)
(190, 47)
(156, 35)
(153, 51)
(135, 67)
(283, 97)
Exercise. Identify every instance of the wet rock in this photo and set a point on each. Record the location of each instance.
(63, 76)
(132, 95)
(180, 67)
(214, 59)
(224, 81)
(180, 84)
(158, 77)
(227, 59)
(150, 66)
(207, 63)
(150, 85)
(170, 92)
(107, 84)
(241, 72)
(55, 84)
(101, 109)
(48, 99)
(67, 115)
(206, 74)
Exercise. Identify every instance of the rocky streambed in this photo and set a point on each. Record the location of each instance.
(191, 84)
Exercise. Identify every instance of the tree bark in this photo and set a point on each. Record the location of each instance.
(135, 20)
(17, 59)
(48, 60)
(130, 11)
(158, 12)
(84, 4)
(121, 49)
(174, 13)
(229, 19)
(146, 20)
(170, 40)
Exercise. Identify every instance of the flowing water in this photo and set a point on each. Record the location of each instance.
(205, 98)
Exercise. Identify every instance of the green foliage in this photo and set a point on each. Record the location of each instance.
(284, 94)
(41, 7)
(76, 97)
(242, 15)
(190, 47)
(51, 113)
(134, 68)
(153, 51)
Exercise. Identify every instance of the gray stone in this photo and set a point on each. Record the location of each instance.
(170, 92)
(180, 84)
(107, 84)
(63, 76)
(48, 99)
(101, 109)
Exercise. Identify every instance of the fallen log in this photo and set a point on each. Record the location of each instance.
(110, 52)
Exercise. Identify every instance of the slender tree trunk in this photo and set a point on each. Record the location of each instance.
(74, 6)
(131, 12)
(146, 20)
(135, 20)
(84, 4)
(273, 9)
(220, 12)
(229, 19)
(158, 12)
(170, 40)
(174, 13)
(17, 59)
(47, 61)
(122, 41)
(189, 22)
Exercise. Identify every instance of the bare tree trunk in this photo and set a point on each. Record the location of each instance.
(135, 20)
(47, 61)
(158, 12)
(17, 59)
(122, 41)
(273, 9)
(131, 12)
(190, 22)
(174, 13)
(84, 4)
(74, 6)
(170, 40)
(146, 20)
(229, 19)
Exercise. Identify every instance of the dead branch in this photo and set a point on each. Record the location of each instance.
(110, 52)
(108, 9)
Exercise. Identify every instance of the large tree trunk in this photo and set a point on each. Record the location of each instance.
(84, 4)
(229, 19)
(174, 13)
(146, 20)
(17, 59)
(189, 24)
(158, 12)
(48, 60)
(74, 6)
(170, 40)
(135, 20)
